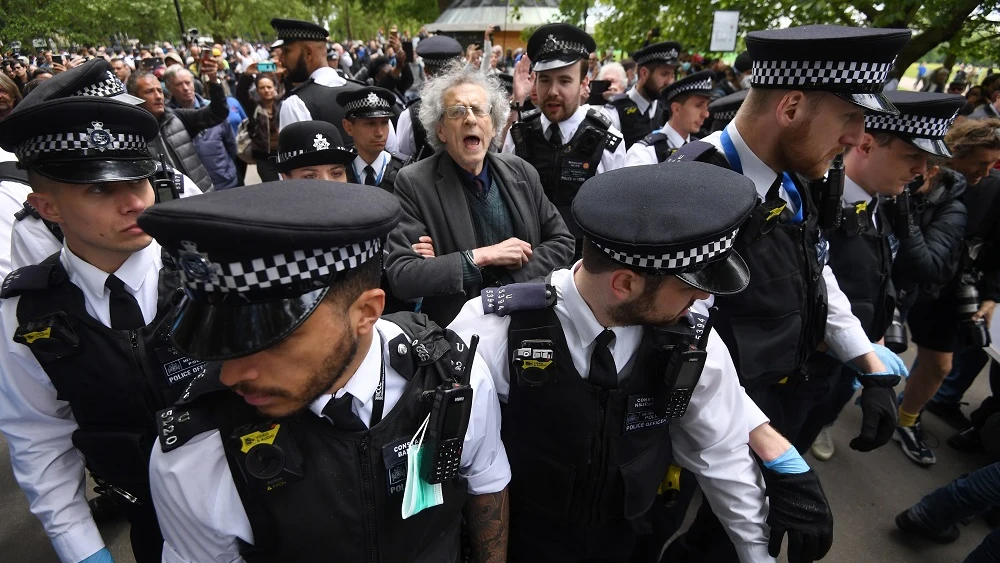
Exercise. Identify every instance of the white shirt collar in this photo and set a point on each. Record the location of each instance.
(132, 272)
(568, 127)
(326, 76)
(642, 103)
(363, 382)
(853, 192)
(379, 165)
(753, 167)
(675, 138)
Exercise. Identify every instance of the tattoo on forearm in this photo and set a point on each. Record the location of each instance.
(486, 517)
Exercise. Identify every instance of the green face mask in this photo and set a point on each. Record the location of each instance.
(418, 495)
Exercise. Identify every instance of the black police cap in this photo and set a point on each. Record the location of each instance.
(923, 120)
(676, 218)
(289, 31)
(257, 261)
(438, 51)
(665, 53)
(723, 110)
(82, 139)
(370, 101)
(310, 143)
(558, 45)
(700, 83)
(851, 62)
(93, 78)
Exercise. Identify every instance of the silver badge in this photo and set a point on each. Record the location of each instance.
(373, 99)
(99, 137)
(196, 265)
(320, 143)
(401, 349)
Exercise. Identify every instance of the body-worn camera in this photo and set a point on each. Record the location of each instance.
(828, 194)
(167, 184)
(449, 420)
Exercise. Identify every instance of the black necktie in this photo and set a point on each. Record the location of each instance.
(370, 176)
(602, 364)
(554, 137)
(125, 311)
(340, 413)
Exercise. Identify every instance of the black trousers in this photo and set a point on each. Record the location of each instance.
(147, 541)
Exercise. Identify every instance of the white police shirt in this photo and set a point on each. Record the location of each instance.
(646, 107)
(711, 439)
(378, 166)
(404, 133)
(610, 160)
(844, 335)
(293, 109)
(639, 153)
(31, 241)
(39, 427)
(12, 198)
(200, 511)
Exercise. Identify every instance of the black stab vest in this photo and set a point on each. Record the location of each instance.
(114, 380)
(635, 124)
(321, 101)
(342, 496)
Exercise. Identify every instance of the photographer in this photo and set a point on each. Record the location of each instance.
(957, 295)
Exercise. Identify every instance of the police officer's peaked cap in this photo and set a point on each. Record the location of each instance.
(290, 31)
(923, 119)
(851, 62)
(82, 139)
(310, 143)
(558, 45)
(676, 218)
(438, 51)
(92, 78)
(723, 110)
(665, 53)
(257, 261)
(370, 101)
(700, 83)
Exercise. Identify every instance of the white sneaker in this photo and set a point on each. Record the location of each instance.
(822, 447)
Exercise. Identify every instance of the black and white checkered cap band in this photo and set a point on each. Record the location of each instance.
(298, 34)
(80, 143)
(669, 57)
(703, 85)
(724, 115)
(371, 101)
(433, 65)
(678, 260)
(286, 156)
(811, 73)
(275, 271)
(912, 125)
(553, 45)
(106, 88)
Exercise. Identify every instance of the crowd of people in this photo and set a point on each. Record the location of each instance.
(448, 237)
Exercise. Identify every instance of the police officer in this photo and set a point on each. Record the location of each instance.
(367, 120)
(892, 153)
(34, 239)
(723, 110)
(638, 112)
(688, 99)
(811, 88)
(565, 141)
(316, 406)
(312, 150)
(596, 409)
(85, 360)
(436, 53)
(303, 54)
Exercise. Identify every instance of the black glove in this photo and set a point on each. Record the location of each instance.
(798, 507)
(879, 411)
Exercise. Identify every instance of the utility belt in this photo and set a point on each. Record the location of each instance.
(118, 461)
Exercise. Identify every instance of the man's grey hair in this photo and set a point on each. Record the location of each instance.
(171, 73)
(432, 95)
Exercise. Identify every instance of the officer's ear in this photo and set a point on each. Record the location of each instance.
(625, 284)
(867, 144)
(366, 309)
(43, 197)
(348, 126)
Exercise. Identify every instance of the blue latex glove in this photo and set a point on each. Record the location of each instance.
(893, 363)
(787, 463)
(102, 556)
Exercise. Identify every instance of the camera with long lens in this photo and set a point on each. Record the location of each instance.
(974, 331)
(895, 337)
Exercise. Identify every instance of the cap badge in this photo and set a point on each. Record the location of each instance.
(195, 264)
(551, 43)
(374, 99)
(320, 143)
(100, 138)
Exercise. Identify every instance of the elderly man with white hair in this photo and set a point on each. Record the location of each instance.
(484, 213)
(615, 73)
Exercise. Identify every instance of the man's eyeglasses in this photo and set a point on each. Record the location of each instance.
(458, 112)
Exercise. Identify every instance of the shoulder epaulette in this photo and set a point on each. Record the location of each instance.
(652, 139)
(413, 102)
(27, 211)
(530, 115)
(601, 119)
(29, 278)
(619, 100)
(525, 296)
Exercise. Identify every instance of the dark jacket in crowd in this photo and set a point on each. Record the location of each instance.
(216, 147)
(929, 259)
(178, 127)
(435, 205)
(983, 206)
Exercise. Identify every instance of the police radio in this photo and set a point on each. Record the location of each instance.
(449, 419)
(166, 183)
(902, 220)
(685, 362)
(828, 194)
